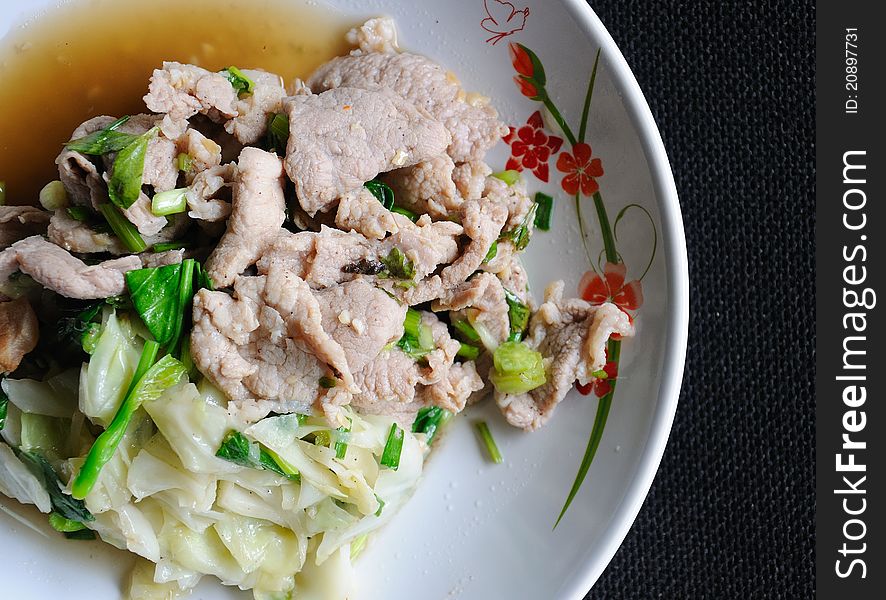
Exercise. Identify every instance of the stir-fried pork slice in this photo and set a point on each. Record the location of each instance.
(362, 319)
(426, 187)
(19, 331)
(470, 178)
(80, 176)
(398, 385)
(209, 193)
(203, 152)
(571, 336)
(482, 221)
(359, 210)
(181, 91)
(515, 197)
(473, 125)
(375, 35)
(508, 267)
(482, 301)
(54, 268)
(253, 110)
(19, 222)
(77, 236)
(257, 214)
(344, 137)
(331, 256)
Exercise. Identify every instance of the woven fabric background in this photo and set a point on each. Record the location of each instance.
(730, 514)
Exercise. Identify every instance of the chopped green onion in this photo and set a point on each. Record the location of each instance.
(341, 441)
(149, 381)
(493, 251)
(2, 193)
(466, 330)
(170, 202)
(322, 438)
(510, 176)
(167, 246)
(185, 162)
(79, 213)
(429, 420)
(517, 368)
(468, 352)
(600, 374)
(242, 84)
(520, 234)
(328, 382)
(90, 337)
(398, 264)
(53, 196)
(129, 166)
(406, 213)
(382, 191)
(417, 339)
(64, 525)
(518, 315)
(278, 133)
(122, 228)
(486, 438)
(390, 456)
(545, 210)
(104, 140)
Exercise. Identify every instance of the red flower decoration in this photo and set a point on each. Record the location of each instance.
(602, 385)
(581, 170)
(611, 288)
(520, 59)
(526, 87)
(532, 147)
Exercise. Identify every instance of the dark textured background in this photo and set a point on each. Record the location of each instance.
(730, 514)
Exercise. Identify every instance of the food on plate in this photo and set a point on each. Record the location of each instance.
(237, 323)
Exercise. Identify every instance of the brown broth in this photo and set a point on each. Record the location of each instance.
(95, 58)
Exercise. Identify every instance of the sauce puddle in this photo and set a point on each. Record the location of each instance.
(95, 58)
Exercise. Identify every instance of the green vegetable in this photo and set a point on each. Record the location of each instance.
(122, 228)
(398, 265)
(493, 251)
(237, 448)
(517, 368)
(278, 133)
(53, 196)
(166, 246)
(242, 84)
(161, 297)
(90, 337)
(77, 328)
(600, 374)
(341, 444)
(83, 534)
(510, 176)
(406, 213)
(65, 505)
(417, 340)
(328, 382)
(545, 205)
(4, 405)
(2, 193)
(467, 330)
(381, 505)
(203, 280)
(170, 202)
(429, 420)
(382, 191)
(185, 162)
(486, 438)
(468, 352)
(518, 315)
(149, 382)
(520, 234)
(64, 525)
(104, 140)
(129, 166)
(79, 213)
(390, 456)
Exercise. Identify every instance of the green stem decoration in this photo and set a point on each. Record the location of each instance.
(559, 119)
(590, 92)
(581, 229)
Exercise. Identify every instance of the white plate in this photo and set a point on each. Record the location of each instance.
(476, 530)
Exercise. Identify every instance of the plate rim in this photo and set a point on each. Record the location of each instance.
(677, 273)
